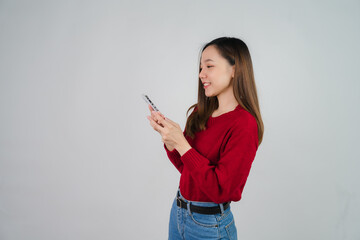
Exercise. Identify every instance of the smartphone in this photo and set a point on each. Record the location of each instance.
(147, 100)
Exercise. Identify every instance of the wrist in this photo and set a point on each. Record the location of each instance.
(183, 148)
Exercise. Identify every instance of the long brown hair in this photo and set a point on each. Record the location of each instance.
(236, 53)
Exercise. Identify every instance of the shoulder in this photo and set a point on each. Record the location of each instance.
(244, 121)
(245, 127)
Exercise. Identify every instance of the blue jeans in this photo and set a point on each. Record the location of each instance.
(187, 225)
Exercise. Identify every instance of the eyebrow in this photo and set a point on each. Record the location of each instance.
(208, 60)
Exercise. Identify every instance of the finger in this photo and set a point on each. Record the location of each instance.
(155, 119)
(162, 120)
(153, 116)
(155, 124)
(160, 114)
(168, 120)
(150, 108)
(157, 127)
(157, 116)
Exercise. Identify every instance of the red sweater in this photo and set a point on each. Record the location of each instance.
(216, 168)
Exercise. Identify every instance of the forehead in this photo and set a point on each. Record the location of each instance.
(210, 53)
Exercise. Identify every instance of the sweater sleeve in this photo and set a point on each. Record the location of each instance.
(226, 178)
(174, 155)
(175, 158)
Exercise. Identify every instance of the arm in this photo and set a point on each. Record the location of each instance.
(175, 157)
(228, 177)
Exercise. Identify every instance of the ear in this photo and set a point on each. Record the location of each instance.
(233, 71)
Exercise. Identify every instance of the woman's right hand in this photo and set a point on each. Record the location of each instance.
(153, 117)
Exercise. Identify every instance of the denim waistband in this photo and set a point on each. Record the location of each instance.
(204, 204)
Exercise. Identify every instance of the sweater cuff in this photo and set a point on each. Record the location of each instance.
(172, 154)
(193, 160)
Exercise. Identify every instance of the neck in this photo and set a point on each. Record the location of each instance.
(227, 101)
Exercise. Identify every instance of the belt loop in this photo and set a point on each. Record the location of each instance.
(188, 207)
(221, 208)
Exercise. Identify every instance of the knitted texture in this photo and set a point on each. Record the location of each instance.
(216, 168)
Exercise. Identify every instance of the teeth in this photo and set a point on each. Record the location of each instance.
(206, 84)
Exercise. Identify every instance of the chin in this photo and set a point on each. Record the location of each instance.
(210, 95)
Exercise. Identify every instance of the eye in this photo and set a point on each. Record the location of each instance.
(207, 67)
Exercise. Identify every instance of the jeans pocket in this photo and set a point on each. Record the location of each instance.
(227, 213)
(231, 230)
(205, 220)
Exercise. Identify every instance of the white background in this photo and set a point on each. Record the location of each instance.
(79, 159)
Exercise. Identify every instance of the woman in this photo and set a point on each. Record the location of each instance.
(215, 152)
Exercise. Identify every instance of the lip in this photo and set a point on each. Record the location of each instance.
(207, 86)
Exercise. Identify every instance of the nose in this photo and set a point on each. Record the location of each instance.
(202, 74)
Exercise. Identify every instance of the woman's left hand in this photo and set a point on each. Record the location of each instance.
(170, 132)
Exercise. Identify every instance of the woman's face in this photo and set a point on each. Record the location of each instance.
(216, 71)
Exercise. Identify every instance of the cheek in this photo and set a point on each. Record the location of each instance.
(216, 75)
(220, 78)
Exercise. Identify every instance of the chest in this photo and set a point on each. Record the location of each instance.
(210, 143)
